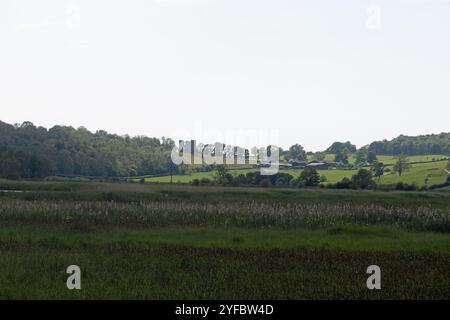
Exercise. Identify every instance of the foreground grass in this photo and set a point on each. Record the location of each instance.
(221, 263)
(171, 272)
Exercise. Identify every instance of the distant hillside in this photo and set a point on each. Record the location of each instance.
(27, 151)
(425, 144)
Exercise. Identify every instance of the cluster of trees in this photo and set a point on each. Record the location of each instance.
(405, 145)
(338, 147)
(27, 151)
(223, 177)
(309, 177)
(295, 152)
(364, 156)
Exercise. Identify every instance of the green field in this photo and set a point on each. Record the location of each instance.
(434, 172)
(423, 172)
(148, 241)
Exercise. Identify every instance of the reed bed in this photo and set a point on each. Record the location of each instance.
(250, 214)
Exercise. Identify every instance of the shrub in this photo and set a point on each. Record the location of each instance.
(205, 181)
(265, 183)
(362, 180)
(309, 177)
(345, 183)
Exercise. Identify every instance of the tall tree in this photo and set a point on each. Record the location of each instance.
(342, 156)
(378, 169)
(361, 157)
(401, 165)
(296, 152)
(371, 157)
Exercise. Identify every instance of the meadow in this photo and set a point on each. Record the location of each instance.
(426, 170)
(147, 241)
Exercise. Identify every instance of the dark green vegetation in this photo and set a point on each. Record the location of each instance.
(158, 242)
(27, 151)
(137, 271)
(338, 147)
(405, 145)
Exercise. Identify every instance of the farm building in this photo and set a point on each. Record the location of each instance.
(298, 164)
(322, 165)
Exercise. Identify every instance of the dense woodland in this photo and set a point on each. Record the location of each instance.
(425, 144)
(28, 151)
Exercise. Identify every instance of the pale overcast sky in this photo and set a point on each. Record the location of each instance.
(314, 71)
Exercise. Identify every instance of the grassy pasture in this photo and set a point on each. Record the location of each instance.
(423, 172)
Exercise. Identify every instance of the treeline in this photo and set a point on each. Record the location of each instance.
(425, 144)
(27, 151)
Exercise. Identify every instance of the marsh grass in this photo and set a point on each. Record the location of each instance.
(181, 242)
(84, 215)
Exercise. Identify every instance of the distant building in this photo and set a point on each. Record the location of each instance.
(298, 164)
(284, 164)
(322, 165)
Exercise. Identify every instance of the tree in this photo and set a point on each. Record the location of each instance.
(363, 179)
(371, 157)
(340, 146)
(378, 169)
(172, 168)
(221, 174)
(38, 167)
(401, 165)
(345, 183)
(320, 156)
(280, 179)
(361, 157)
(309, 177)
(342, 156)
(296, 152)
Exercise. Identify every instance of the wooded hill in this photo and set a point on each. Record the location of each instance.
(424, 144)
(27, 151)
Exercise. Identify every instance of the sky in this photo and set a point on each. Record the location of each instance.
(240, 71)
